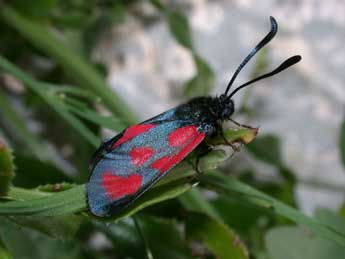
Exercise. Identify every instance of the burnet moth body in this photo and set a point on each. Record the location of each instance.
(126, 166)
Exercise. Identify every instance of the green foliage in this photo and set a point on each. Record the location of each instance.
(202, 82)
(331, 219)
(125, 237)
(194, 201)
(75, 65)
(228, 186)
(55, 101)
(179, 27)
(296, 243)
(15, 122)
(38, 8)
(43, 209)
(267, 149)
(4, 253)
(217, 236)
(44, 204)
(40, 172)
(242, 217)
(59, 227)
(25, 243)
(6, 168)
(170, 245)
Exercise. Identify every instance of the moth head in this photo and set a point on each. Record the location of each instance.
(226, 107)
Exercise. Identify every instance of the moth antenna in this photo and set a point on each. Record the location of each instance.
(262, 43)
(287, 63)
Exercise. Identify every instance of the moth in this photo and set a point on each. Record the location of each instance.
(126, 166)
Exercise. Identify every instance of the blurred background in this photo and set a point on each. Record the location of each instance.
(154, 55)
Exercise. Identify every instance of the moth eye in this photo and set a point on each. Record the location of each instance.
(226, 112)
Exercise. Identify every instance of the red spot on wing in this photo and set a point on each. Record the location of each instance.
(182, 135)
(119, 186)
(139, 155)
(160, 163)
(132, 132)
(165, 163)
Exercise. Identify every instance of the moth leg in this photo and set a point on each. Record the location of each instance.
(241, 125)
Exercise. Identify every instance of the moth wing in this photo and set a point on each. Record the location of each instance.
(130, 133)
(130, 164)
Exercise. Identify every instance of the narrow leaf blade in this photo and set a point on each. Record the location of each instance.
(220, 239)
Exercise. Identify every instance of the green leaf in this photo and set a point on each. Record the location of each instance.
(21, 194)
(193, 200)
(295, 243)
(202, 82)
(72, 19)
(124, 237)
(72, 120)
(267, 149)
(163, 237)
(234, 135)
(59, 227)
(65, 202)
(220, 239)
(36, 8)
(4, 253)
(331, 219)
(73, 91)
(341, 211)
(342, 143)
(31, 172)
(237, 214)
(56, 187)
(17, 124)
(82, 72)
(99, 24)
(287, 174)
(94, 30)
(25, 243)
(109, 122)
(229, 186)
(6, 168)
(44, 91)
(179, 28)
